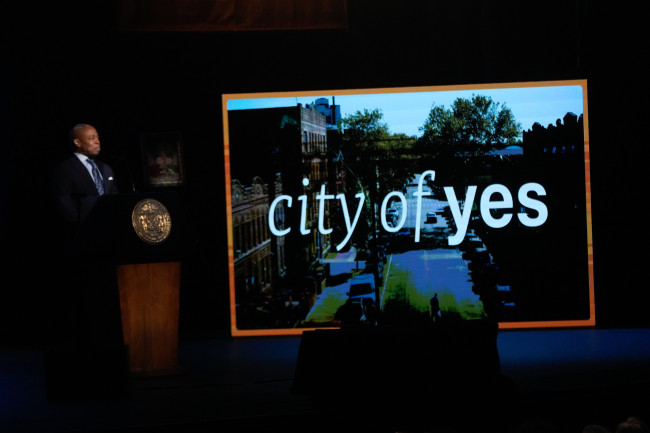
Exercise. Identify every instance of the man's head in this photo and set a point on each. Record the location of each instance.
(85, 139)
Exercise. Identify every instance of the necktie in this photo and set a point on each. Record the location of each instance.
(96, 176)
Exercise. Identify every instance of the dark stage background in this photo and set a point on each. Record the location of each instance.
(69, 62)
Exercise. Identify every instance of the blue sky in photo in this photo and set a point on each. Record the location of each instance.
(405, 110)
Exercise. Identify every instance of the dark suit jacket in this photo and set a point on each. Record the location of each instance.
(88, 281)
(74, 191)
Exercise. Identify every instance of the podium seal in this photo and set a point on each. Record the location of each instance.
(151, 221)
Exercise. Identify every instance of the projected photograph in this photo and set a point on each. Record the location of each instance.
(409, 207)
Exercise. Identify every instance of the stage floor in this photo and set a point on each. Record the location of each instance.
(569, 377)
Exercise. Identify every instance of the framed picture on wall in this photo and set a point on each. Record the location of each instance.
(162, 155)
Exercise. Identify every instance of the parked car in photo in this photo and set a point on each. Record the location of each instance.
(361, 303)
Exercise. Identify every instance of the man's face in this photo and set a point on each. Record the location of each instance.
(87, 141)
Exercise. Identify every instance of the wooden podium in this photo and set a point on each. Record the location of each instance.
(148, 272)
(149, 301)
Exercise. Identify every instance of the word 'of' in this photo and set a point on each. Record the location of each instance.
(461, 216)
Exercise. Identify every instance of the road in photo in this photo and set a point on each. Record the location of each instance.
(416, 275)
(414, 272)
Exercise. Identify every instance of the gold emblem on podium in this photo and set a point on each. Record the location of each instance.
(151, 221)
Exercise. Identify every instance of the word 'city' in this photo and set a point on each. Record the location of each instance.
(461, 216)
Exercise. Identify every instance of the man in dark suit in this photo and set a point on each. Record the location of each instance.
(75, 191)
(88, 307)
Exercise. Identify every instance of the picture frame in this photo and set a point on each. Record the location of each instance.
(162, 156)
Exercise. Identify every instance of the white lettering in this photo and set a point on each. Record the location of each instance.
(531, 203)
(461, 219)
(504, 203)
(361, 197)
(419, 193)
(402, 219)
(274, 204)
(321, 210)
(303, 215)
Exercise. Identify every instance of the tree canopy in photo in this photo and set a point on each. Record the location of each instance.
(470, 128)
